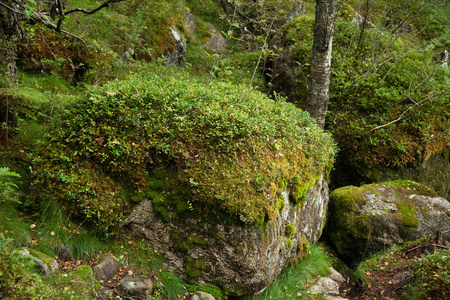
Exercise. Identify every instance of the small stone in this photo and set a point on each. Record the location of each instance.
(202, 296)
(48, 264)
(63, 252)
(336, 276)
(136, 285)
(107, 268)
(325, 286)
(402, 278)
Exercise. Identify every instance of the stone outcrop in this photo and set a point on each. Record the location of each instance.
(373, 217)
(47, 264)
(176, 56)
(239, 258)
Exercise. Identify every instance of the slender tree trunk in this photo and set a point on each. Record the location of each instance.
(8, 50)
(319, 89)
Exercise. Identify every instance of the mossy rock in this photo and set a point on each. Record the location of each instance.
(366, 219)
(183, 144)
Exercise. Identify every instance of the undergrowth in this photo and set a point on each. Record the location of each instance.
(293, 281)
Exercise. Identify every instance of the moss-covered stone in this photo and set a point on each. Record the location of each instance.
(186, 146)
(194, 268)
(366, 219)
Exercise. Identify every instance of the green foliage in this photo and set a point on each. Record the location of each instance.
(382, 75)
(431, 277)
(389, 76)
(173, 285)
(227, 148)
(6, 185)
(293, 281)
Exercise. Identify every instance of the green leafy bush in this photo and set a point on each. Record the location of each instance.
(381, 77)
(176, 140)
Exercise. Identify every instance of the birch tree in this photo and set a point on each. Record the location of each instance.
(319, 88)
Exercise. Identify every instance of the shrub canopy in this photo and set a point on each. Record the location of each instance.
(214, 147)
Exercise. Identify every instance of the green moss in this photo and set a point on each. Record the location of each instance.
(161, 206)
(303, 246)
(412, 187)
(288, 242)
(207, 288)
(289, 230)
(350, 227)
(194, 268)
(45, 258)
(407, 216)
(185, 243)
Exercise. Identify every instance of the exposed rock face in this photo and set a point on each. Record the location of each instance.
(239, 258)
(176, 56)
(374, 217)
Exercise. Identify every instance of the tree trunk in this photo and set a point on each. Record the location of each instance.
(319, 89)
(8, 50)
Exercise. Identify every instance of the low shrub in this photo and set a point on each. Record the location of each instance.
(212, 147)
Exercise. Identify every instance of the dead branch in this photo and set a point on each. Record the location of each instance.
(90, 12)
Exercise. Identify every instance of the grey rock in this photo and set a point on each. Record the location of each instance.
(202, 296)
(336, 276)
(362, 21)
(47, 264)
(326, 286)
(329, 297)
(402, 278)
(241, 259)
(190, 23)
(107, 268)
(216, 42)
(136, 285)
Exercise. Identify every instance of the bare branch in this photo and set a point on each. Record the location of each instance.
(402, 116)
(90, 12)
(11, 9)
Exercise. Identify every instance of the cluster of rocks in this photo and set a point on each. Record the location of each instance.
(131, 285)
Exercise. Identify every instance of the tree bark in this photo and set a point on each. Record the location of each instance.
(8, 51)
(319, 88)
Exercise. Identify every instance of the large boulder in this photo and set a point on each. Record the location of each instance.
(366, 219)
(240, 258)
